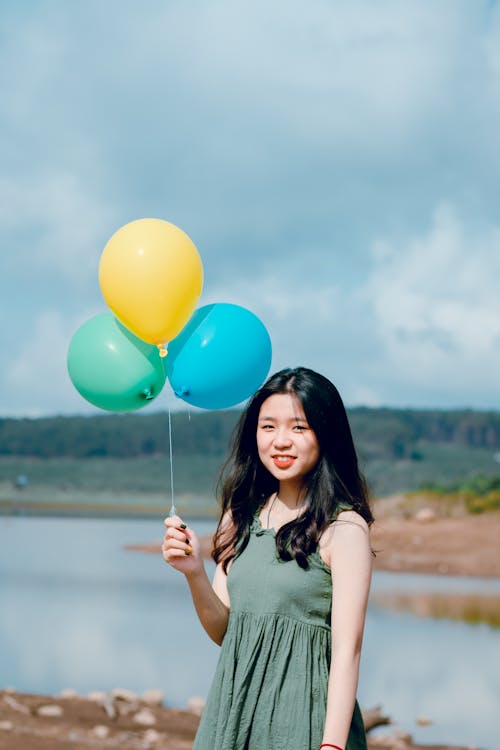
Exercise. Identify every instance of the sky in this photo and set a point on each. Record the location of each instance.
(337, 165)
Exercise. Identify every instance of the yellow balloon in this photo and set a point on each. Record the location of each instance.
(151, 276)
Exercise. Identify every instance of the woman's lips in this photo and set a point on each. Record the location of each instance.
(283, 462)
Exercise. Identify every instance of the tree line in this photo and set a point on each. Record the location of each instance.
(378, 433)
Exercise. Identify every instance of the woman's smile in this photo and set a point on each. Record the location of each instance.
(283, 462)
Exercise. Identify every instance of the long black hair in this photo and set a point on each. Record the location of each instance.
(335, 483)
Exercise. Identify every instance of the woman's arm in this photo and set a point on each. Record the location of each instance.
(349, 554)
(181, 549)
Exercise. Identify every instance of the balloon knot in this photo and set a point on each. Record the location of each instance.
(162, 350)
(182, 391)
(147, 394)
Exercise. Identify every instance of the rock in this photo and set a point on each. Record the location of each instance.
(122, 694)
(100, 731)
(109, 706)
(151, 736)
(74, 736)
(153, 697)
(50, 710)
(423, 721)
(6, 726)
(97, 696)
(145, 717)
(196, 705)
(15, 705)
(424, 515)
(125, 708)
(68, 693)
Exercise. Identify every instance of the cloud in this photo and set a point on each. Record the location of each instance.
(68, 226)
(304, 153)
(436, 307)
(35, 379)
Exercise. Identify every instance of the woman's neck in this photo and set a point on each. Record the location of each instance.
(291, 494)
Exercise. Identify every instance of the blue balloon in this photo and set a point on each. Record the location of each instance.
(220, 358)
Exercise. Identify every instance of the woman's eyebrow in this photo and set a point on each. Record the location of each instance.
(292, 419)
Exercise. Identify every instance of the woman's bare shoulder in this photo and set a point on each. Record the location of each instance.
(349, 518)
(348, 523)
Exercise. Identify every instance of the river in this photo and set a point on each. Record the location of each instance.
(78, 610)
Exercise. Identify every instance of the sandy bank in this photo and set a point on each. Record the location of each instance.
(467, 546)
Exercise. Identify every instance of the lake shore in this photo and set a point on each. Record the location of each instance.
(123, 720)
(465, 545)
(420, 542)
(462, 546)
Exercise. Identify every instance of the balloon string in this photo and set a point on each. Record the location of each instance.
(172, 506)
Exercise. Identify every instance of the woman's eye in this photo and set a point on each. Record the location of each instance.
(267, 427)
(300, 427)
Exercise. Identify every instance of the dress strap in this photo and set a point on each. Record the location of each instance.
(342, 505)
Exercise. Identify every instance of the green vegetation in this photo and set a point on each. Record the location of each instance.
(379, 433)
(126, 457)
(479, 493)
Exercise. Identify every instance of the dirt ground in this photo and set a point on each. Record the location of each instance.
(84, 724)
(467, 546)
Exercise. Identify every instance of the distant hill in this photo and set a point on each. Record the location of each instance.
(399, 449)
(387, 433)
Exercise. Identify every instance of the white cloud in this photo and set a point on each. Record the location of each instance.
(68, 225)
(436, 306)
(35, 378)
(283, 142)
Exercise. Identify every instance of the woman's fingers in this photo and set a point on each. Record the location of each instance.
(175, 521)
(172, 552)
(176, 529)
(179, 542)
(180, 534)
(176, 543)
(183, 545)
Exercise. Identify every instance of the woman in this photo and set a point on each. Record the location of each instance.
(290, 590)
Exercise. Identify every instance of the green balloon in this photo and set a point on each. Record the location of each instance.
(112, 368)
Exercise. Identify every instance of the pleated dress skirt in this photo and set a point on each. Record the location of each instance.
(270, 686)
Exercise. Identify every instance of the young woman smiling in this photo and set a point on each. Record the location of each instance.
(289, 595)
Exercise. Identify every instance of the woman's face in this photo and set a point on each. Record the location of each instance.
(287, 446)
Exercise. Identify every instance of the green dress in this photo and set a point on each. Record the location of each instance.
(270, 686)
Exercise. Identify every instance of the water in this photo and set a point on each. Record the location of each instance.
(78, 610)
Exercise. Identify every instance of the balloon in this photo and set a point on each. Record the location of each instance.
(220, 358)
(151, 277)
(112, 368)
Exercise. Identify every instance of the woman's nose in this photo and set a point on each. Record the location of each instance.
(282, 438)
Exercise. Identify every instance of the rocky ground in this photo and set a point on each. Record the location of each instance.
(466, 546)
(103, 721)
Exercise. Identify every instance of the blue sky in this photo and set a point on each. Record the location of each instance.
(337, 165)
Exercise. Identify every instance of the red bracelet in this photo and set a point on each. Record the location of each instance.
(328, 744)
